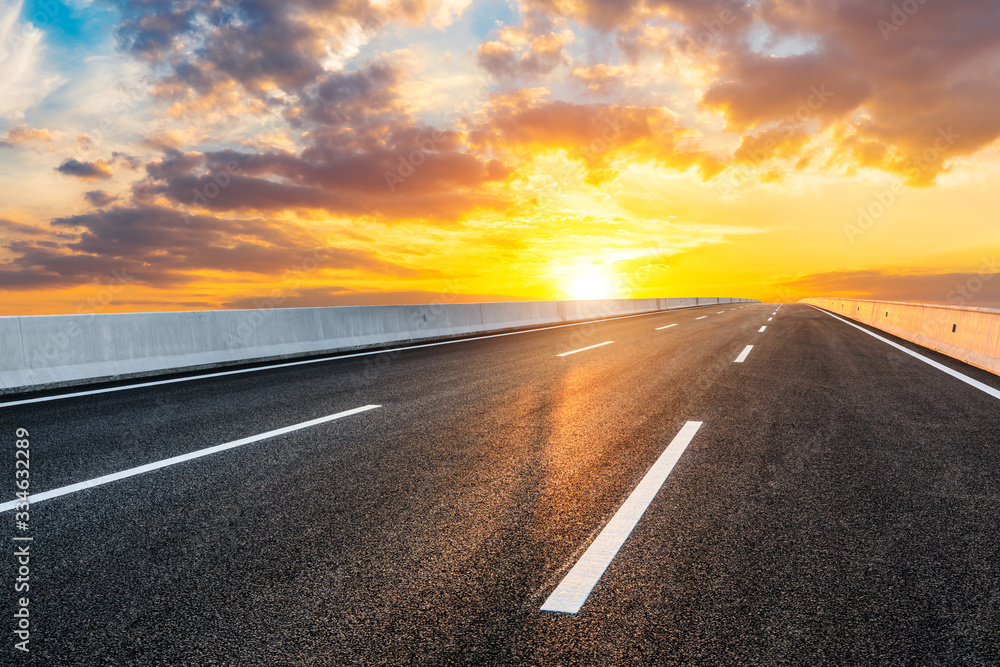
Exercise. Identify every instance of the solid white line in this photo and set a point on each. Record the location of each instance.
(743, 355)
(762, 329)
(156, 465)
(701, 318)
(666, 327)
(288, 364)
(941, 367)
(573, 591)
(584, 349)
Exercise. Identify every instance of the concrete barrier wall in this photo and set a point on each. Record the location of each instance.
(46, 351)
(969, 334)
(12, 369)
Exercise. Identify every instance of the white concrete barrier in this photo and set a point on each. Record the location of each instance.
(12, 370)
(520, 314)
(969, 334)
(40, 352)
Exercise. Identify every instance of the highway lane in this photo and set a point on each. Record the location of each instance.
(835, 506)
(152, 423)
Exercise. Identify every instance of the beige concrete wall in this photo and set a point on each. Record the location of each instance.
(969, 334)
(47, 351)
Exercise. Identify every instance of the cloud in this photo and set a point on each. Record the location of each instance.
(603, 14)
(542, 54)
(784, 142)
(88, 171)
(601, 79)
(624, 15)
(958, 288)
(530, 50)
(23, 134)
(99, 198)
(363, 155)
(126, 160)
(896, 77)
(592, 133)
(444, 186)
(19, 229)
(25, 81)
(256, 46)
(447, 12)
(762, 90)
(160, 246)
(356, 97)
(895, 92)
(392, 169)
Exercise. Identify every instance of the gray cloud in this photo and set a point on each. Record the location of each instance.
(88, 171)
(256, 44)
(160, 246)
(99, 198)
(966, 288)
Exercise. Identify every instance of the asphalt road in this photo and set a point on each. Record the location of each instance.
(838, 505)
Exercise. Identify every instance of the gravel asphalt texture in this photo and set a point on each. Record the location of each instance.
(838, 506)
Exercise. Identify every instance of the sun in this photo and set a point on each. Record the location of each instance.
(589, 283)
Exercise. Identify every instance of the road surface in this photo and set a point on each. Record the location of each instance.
(827, 499)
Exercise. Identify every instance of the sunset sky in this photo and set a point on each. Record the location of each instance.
(174, 155)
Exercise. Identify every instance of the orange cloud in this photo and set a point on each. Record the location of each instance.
(159, 246)
(23, 134)
(902, 286)
(509, 59)
(792, 90)
(907, 83)
(600, 78)
(592, 133)
(785, 142)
